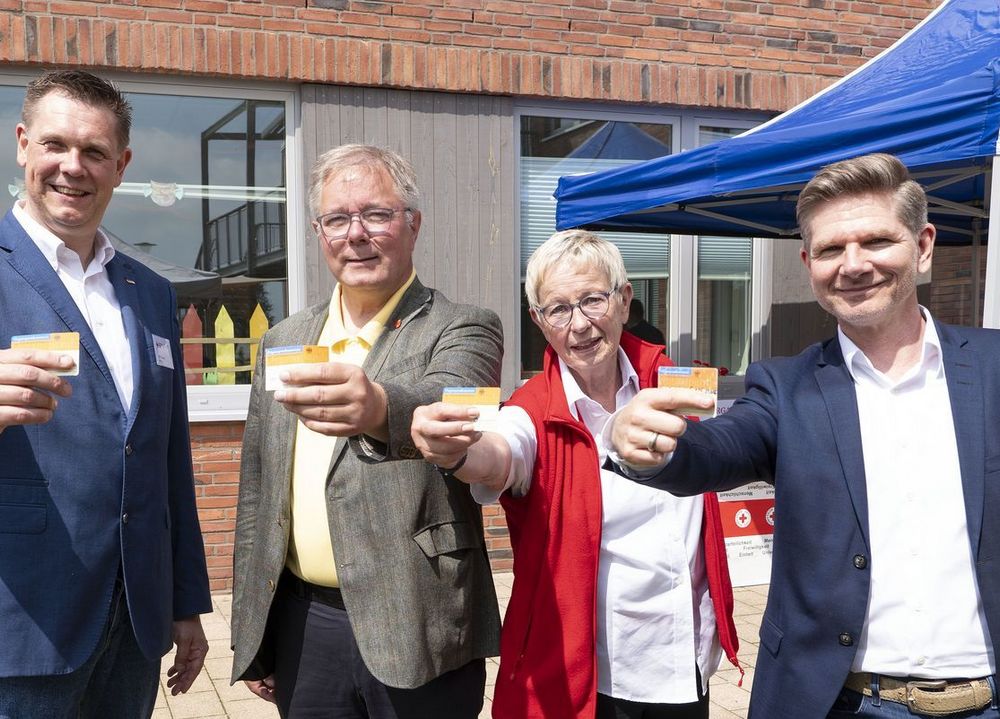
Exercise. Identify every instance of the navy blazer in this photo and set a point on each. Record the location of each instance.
(95, 488)
(797, 427)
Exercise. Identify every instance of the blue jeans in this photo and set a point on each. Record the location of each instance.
(117, 682)
(852, 704)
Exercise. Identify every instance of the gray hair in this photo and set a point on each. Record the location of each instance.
(84, 87)
(875, 174)
(331, 162)
(577, 247)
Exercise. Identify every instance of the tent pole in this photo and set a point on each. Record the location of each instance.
(991, 306)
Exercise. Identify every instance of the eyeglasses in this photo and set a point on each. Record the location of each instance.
(594, 306)
(336, 225)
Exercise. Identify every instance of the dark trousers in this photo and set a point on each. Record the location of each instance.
(319, 672)
(117, 682)
(611, 708)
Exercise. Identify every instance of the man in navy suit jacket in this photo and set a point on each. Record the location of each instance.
(884, 450)
(102, 566)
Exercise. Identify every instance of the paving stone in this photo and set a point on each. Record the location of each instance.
(252, 708)
(196, 706)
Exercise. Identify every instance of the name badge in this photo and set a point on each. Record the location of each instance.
(161, 348)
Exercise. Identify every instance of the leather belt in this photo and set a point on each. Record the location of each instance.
(330, 596)
(934, 697)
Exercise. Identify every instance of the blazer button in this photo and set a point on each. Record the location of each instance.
(860, 561)
(128, 450)
(270, 585)
(846, 640)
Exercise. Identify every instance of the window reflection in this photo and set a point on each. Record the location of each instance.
(203, 204)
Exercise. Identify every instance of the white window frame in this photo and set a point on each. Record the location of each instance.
(226, 403)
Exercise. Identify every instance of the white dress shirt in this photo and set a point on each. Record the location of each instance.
(925, 616)
(93, 294)
(655, 619)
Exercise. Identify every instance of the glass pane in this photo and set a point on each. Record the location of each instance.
(723, 291)
(203, 204)
(723, 304)
(552, 147)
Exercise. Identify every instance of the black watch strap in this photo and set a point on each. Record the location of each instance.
(449, 472)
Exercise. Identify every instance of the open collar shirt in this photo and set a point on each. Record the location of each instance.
(93, 294)
(925, 617)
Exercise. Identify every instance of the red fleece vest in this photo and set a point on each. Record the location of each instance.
(548, 656)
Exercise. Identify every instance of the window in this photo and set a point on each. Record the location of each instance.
(204, 204)
(555, 146)
(697, 290)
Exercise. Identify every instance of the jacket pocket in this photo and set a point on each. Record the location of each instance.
(770, 636)
(446, 537)
(23, 506)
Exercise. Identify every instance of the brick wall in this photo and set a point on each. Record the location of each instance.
(215, 450)
(708, 53)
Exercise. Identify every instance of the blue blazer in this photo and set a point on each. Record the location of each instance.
(797, 427)
(95, 487)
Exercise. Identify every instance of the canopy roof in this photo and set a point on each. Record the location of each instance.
(933, 99)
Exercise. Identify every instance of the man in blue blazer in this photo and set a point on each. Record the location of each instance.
(884, 450)
(101, 559)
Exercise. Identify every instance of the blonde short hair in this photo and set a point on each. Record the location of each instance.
(577, 247)
(875, 174)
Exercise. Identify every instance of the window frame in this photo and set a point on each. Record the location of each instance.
(225, 403)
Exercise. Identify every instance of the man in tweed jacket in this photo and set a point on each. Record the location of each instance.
(361, 583)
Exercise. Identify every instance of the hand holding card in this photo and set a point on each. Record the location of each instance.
(702, 379)
(64, 343)
(486, 400)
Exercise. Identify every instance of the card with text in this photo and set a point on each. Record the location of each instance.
(485, 399)
(703, 379)
(67, 343)
(279, 359)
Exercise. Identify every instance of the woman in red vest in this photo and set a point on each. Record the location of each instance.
(621, 604)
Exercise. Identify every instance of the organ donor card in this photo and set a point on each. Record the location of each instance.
(704, 379)
(485, 399)
(67, 343)
(279, 359)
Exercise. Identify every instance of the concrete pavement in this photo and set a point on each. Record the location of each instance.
(211, 697)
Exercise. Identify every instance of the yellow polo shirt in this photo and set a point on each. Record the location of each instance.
(310, 551)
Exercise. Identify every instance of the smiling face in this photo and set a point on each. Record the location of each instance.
(863, 262)
(72, 163)
(369, 264)
(589, 347)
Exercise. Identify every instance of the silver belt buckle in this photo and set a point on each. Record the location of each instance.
(932, 684)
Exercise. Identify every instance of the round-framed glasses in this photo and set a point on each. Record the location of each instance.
(593, 306)
(375, 220)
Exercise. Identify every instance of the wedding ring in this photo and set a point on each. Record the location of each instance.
(651, 444)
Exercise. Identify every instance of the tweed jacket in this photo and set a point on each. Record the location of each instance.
(410, 553)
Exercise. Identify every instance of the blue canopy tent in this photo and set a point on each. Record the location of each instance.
(933, 99)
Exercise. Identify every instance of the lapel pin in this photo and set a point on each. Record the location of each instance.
(130, 280)
(399, 323)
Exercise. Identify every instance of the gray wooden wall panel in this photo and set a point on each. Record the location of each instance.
(462, 147)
